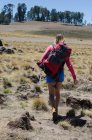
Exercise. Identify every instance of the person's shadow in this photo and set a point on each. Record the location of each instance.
(74, 121)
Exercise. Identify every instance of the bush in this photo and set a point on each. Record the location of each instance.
(87, 113)
(23, 104)
(65, 124)
(39, 104)
(38, 88)
(7, 91)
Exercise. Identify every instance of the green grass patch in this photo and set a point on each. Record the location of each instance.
(66, 33)
(7, 91)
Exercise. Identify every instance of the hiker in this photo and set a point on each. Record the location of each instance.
(54, 85)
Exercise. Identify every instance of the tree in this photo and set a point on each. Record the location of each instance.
(54, 15)
(61, 16)
(7, 14)
(21, 12)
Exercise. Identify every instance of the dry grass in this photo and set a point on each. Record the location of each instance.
(39, 104)
(86, 113)
(65, 124)
(16, 67)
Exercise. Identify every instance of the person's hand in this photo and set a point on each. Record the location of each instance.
(75, 81)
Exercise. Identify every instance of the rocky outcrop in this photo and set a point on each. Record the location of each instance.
(7, 50)
(2, 98)
(79, 102)
(24, 122)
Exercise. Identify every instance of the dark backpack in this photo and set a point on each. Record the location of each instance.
(55, 60)
(57, 56)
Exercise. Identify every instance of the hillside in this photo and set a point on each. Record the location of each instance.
(24, 110)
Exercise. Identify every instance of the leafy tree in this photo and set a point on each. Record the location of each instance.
(54, 15)
(21, 12)
(61, 16)
(7, 14)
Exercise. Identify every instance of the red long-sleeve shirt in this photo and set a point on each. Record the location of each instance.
(67, 61)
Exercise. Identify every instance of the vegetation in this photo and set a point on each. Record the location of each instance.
(86, 112)
(7, 91)
(65, 124)
(39, 104)
(39, 13)
(68, 33)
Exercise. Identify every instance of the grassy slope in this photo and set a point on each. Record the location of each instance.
(21, 62)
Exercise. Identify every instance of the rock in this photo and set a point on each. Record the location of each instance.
(89, 124)
(77, 122)
(8, 50)
(24, 88)
(25, 96)
(1, 43)
(79, 102)
(2, 98)
(34, 78)
(2, 49)
(86, 88)
(23, 122)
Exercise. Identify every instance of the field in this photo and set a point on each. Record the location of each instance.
(21, 90)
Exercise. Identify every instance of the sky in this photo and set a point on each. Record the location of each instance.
(84, 6)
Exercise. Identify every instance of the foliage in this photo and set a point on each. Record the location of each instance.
(6, 14)
(39, 104)
(39, 13)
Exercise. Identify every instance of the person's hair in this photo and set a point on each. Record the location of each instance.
(59, 37)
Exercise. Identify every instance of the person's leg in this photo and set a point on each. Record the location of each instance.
(57, 95)
(52, 95)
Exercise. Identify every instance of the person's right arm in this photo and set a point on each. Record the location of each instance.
(45, 55)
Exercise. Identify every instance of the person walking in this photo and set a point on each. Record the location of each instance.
(54, 85)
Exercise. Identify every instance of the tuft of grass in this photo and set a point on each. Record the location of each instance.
(65, 124)
(26, 66)
(7, 91)
(23, 104)
(68, 79)
(86, 113)
(38, 88)
(39, 104)
(23, 80)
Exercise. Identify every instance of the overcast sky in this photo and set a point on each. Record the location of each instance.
(84, 6)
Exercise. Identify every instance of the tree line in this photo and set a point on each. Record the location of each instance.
(38, 13)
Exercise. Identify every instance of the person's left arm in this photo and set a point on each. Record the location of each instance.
(70, 67)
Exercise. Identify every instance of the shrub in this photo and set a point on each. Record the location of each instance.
(23, 104)
(65, 124)
(38, 88)
(87, 113)
(7, 91)
(39, 104)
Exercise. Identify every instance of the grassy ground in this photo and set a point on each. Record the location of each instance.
(30, 41)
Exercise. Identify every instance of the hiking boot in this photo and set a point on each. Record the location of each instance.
(55, 117)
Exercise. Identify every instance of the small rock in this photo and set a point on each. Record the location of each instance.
(23, 122)
(2, 98)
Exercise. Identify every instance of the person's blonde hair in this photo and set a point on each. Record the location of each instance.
(59, 37)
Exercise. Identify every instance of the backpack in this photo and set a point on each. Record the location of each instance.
(55, 60)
